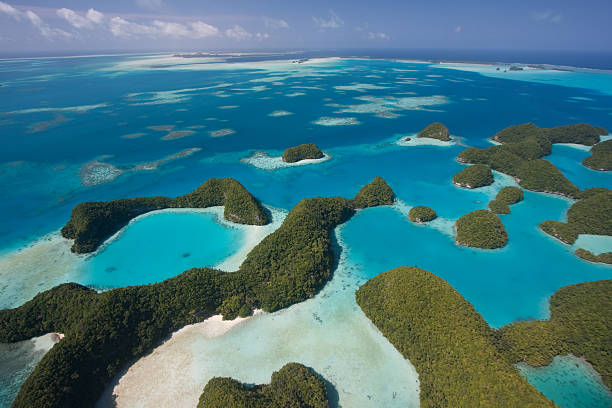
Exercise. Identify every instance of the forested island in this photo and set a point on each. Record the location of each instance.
(605, 257)
(505, 198)
(93, 222)
(522, 148)
(293, 386)
(579, 324)
(435, 130)
(601, 157)
(450, 345)
(474, 176)
(107, 330)
(481, 229)
(302, 152)
(421, 214)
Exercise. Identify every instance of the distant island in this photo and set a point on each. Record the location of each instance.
(93, 222)
(421, 214)
(294, 385)
(435, 130)
(477, 175)
(451, 346)
(601, 157)
(302, 152)
(481, 229)
(505, 197)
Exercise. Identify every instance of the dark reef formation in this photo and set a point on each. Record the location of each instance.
(451, 346)
(505, 198)
(294, 386)
(601, 157)
(435, 130)
(93, 222)
(302, 152)
(105, 331)
(481, 229)
(421, 214)
(477, 175)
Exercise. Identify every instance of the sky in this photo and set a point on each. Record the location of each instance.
(30, 26)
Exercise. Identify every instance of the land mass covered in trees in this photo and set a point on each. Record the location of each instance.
(302, 152)
(93, 222)
(435, 130)
(293, 386)
(474, 176)
(452, 348)
(481, 229)
(105, 331)
(505, 198)
(601, 157)
(421, 214)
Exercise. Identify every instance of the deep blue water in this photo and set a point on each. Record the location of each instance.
(45, 148)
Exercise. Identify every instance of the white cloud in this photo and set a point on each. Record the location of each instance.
(547, 15)
(122, 28)
(150, 4)
(171, 29)
(127, 29)
(334, 21)
(75, 20)
(274, 23)
(378, 36)
(44, 29)
(202, 30)
(458, 29)
(95, 16)
(238, 33)
(262, 36)
(10, 10)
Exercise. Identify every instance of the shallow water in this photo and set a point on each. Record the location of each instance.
(129, 133)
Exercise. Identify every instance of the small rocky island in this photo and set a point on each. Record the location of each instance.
(481, 229)
(422, 214)
(477, 175)
(506, 197)
(302, 152)
(436, 130)
(601, 157)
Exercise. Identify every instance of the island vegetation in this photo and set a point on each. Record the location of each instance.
(435, 130)
(421, 214)
(93, 222)
(605, 257)
(481, 229)
(374, 194)
(590, 215)
(451, 346)
(302, 152)
(105, 331)
(477, 175)
(601, 157)
(521, 151)
(505, 198)
(579, 324)
(293, 386)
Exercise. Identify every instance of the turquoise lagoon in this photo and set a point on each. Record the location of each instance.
(126, 138)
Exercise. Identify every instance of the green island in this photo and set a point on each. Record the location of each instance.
(590, 215)
(579, 324)
(456, 358)
(505, 198)
(107, 330)
(605, 257)
(435, 130)
(601, 157)
(302, 152)
(93, 222)
(294, 386)
(477, 175)
(481, 229)
(522, 148)
(421, 214)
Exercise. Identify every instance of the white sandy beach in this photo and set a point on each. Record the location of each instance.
(261, 160)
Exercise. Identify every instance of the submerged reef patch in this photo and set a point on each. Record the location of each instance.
(328, 121)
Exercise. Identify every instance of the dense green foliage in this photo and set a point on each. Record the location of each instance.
(435, 130)
(605, 257)
(481, 229)
(93, 222)
(104, 331)
(422, 214)
(591, 215)
(504, 198)
(302, 152)
(580, 324)
(448, 342)
(293, 386)
(580, 133)
(374, 194)
(477, 175)
(601, 157)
